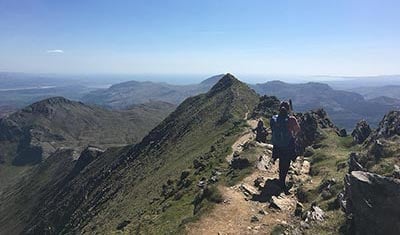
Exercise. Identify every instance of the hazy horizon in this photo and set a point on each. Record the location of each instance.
(185, 79)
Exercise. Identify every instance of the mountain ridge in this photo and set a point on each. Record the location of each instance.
(186, 136)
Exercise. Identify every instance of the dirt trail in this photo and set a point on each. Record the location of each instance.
(241, 212)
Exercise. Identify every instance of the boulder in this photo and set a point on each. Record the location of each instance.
(281, 203)
(248, 190)
(299, 209)
(315, 214)
(342, 133)
(354, 165)
(202, 183)
(372, 201)
(396, 172)
(361, 132)
(264, 162)
(213, 179)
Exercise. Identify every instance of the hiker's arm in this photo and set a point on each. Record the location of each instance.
(294, 125)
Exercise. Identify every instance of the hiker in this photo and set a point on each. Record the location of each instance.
(284, 129)
(261, 132)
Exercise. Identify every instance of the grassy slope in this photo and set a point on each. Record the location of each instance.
(79, 125)
(334, 151)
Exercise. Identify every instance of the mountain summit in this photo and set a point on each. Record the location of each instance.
(226, 82)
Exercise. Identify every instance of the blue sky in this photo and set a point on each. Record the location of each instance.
(336, 37)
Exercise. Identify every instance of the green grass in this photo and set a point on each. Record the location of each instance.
(335, 150)
(332, 225)
(385, 164)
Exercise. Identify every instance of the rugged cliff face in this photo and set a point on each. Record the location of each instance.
(361, 132)
(372, 203)
(381, 149)
(370, 200)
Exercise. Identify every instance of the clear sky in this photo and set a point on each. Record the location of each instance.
(304, 37)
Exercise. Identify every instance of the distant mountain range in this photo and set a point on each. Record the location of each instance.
(392, 91)
(133, 92)
(351, 82)
(346, 108)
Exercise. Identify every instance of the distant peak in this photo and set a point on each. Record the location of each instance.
(53, 100)
(227, 81)
(44, 106)
(212, 80)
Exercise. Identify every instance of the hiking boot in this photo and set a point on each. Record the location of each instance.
(286, 191)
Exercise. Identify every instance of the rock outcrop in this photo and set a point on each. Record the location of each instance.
(372, 203)
(387, 129)
(382, 143)
(86, 157)
(361, 132)
(268, 106)
(389, 126)
(309, 124)
(342, 133)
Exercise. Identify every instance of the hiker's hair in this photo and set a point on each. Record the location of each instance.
(284, 108)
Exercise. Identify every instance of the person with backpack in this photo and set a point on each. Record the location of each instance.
(261, 132)
(284, 129)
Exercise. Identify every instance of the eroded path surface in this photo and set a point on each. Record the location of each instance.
(251, 209)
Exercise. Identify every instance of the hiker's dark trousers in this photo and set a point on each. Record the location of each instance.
(284, 164)
(285, 155)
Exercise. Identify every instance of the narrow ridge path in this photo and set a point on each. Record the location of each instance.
(239, 214)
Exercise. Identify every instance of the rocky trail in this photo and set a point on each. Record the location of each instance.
(255, 205)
